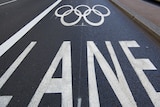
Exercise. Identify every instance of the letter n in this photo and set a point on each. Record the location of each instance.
(118, 83)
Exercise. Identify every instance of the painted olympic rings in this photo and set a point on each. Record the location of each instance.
(77, 12)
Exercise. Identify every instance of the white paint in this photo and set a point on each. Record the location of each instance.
(82, 15)
(57, 85)
(8, 2)
(17, 36)
(92, 83)
(4, 100)
(119, 85)
(79, 102)
(139, 65)
(120, 75)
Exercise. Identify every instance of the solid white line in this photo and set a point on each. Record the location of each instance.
(7, 2)
(17, 36)
(15, 64)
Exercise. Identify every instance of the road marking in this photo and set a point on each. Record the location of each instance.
(79, 102)
(139, 65)
(118, 84)
(92, 83)
(4, 100)
(81, 15)
(63, 85)
(57, 85)
(5, 3)
(17, 36)
(120, 75)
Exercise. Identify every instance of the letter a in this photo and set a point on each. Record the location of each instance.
(57, 85)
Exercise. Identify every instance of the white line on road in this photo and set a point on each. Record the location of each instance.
(2, 4)
(17, 36)
(79, 102)
(16, 63)
(4, 100)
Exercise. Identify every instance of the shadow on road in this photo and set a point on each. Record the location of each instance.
(153, 2)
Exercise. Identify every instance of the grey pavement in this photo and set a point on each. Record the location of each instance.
(143, 12)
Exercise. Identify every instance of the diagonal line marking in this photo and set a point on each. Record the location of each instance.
(17, 36)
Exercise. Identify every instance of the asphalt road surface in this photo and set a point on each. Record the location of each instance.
(75, 53)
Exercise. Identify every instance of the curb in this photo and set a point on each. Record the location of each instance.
(149, 26)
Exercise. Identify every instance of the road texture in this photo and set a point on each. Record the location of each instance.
(69, 53)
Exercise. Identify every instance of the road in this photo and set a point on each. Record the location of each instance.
(74, 53)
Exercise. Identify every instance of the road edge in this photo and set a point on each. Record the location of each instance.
(146, 24)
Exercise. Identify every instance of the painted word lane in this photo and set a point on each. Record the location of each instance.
(73, 56)
(64, 86)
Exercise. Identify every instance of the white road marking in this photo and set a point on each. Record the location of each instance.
(17, 36)
(57, 85)
(82, 14)
(139, 65)
(5, 3)
(120, 88)
(120, 75)
(5, 99)
(16, 63)
(79, 102)
(92, 83)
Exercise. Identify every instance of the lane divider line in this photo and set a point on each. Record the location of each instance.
(17, 36)
(2, 4)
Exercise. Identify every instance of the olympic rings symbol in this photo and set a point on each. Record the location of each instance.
(81, 15)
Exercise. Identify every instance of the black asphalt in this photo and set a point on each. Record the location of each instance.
(50, 34)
